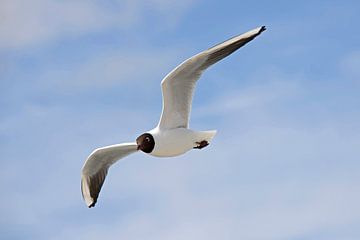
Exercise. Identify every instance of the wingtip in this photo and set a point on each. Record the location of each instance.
(90, 201)
(263, 28)
(92, 204)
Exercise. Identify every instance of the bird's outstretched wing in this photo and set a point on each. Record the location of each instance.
(96, 167)
(178, 86)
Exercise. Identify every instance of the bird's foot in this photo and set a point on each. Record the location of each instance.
(201, 144)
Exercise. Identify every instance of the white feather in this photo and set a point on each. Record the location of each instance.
(179, 85)
(96, 166)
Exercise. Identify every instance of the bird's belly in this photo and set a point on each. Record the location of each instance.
(173, 143)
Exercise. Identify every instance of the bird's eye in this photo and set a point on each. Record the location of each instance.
(147, 139)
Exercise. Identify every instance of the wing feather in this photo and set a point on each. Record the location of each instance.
(179, 85)
(96, 168)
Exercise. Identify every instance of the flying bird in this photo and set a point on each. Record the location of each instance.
(172, 136)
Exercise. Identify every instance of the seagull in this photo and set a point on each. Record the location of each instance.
(172, 136)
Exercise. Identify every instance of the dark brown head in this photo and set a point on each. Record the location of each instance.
(145, 142)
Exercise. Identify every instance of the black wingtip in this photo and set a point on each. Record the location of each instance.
(92, 204)
(263, 28)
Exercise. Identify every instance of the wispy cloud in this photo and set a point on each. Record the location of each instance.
(108, 70)
(37, 22)
(260, 94)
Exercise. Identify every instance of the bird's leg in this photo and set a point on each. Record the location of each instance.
(201, 144)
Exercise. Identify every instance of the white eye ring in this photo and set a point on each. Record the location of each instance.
(147, 139)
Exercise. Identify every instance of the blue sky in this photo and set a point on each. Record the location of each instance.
(76, 75)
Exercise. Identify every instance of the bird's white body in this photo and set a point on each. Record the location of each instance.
(174, 142)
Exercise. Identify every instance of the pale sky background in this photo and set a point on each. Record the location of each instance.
(285, 164)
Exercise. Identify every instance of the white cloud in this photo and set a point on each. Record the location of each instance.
(119, 68)
(258, 95)
(284, 183)
(28, 23)
(265, 211)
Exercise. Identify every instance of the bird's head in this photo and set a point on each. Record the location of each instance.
(145, 142)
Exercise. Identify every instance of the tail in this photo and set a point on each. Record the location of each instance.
(206, 135)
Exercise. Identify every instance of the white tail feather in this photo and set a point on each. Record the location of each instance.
(206, 135)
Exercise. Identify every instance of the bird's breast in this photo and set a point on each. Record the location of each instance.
(174, 142)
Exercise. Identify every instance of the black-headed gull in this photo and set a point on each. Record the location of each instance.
(171, 137)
